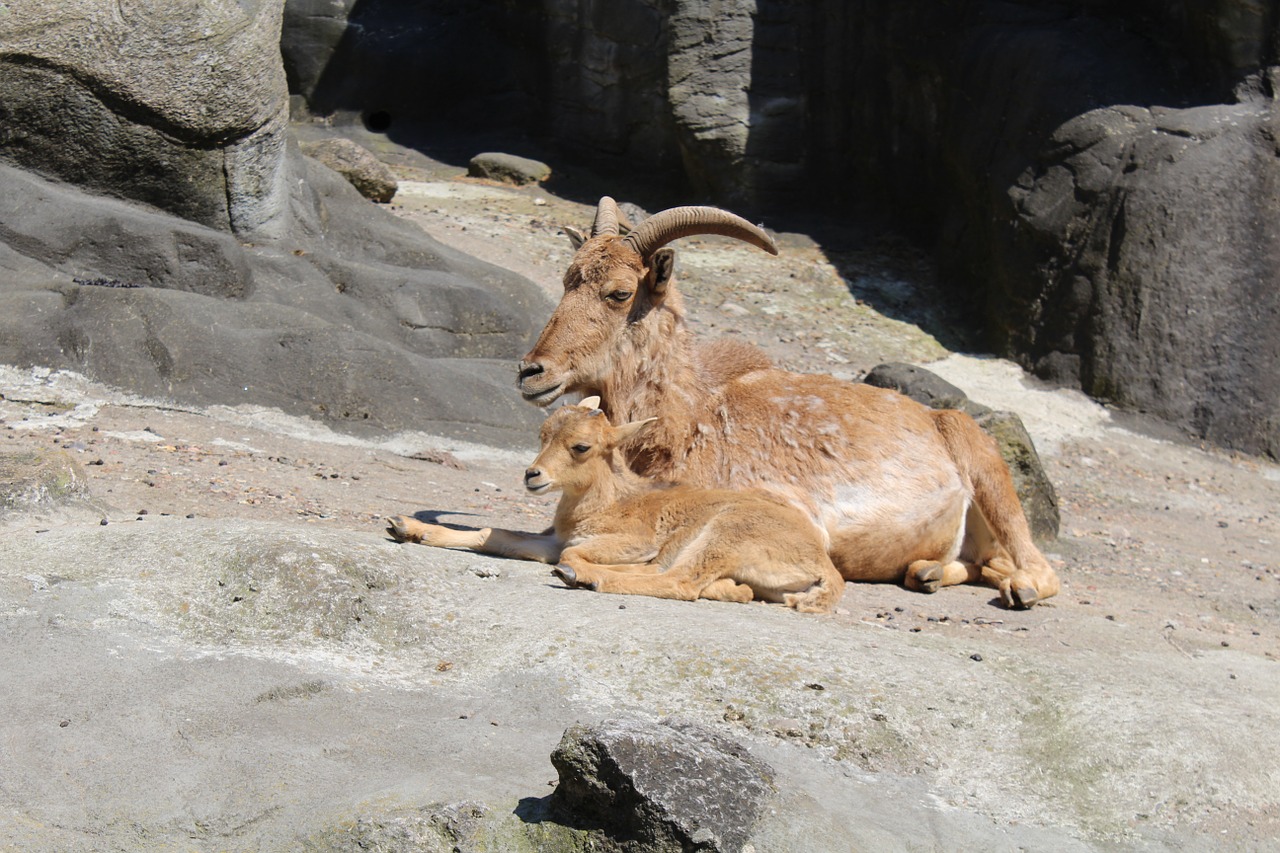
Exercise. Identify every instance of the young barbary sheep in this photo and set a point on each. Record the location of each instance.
(905, 493)
(618, 532)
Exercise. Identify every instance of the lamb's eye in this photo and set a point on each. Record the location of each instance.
(581, 448)
(619, 296)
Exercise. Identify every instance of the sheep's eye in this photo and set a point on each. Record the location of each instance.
(581, 448)
(619, 296)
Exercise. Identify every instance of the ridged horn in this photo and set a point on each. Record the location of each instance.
(606, 218)
(661, 228)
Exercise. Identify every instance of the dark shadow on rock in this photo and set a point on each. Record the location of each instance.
(534, 809)
(439, 78)
(432, 516)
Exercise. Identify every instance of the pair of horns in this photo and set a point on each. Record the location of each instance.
(661, 228)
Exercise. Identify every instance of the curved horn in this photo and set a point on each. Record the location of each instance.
(606, 218)
(661, 228)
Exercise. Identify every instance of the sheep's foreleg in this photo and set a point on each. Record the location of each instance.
(539, 547)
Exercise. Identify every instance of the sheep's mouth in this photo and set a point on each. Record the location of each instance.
(545, 396)
(537, 488)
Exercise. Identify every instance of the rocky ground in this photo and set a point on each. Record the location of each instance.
(215, 646)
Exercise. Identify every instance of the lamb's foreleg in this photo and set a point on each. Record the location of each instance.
(539, 547)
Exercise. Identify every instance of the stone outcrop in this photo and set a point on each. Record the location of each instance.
(160, 231)
(358, 319)
(508, 168)
(1157, 280)
(673, 786)
(369, 175)
(183, 107)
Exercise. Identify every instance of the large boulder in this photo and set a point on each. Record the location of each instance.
(357, 318)
(182, 106)
(357, 164)
(161, 232)
(1144, 258)
(672, 786)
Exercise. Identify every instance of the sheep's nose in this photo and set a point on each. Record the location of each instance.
(529, 369)
(530, 475)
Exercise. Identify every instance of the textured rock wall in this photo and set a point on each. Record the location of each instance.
(160, 232)
(181, 106)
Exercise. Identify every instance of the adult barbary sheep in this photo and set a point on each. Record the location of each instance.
(904, 493)
(618, 532)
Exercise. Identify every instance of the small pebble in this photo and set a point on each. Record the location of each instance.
(103, 523)
(975, 656)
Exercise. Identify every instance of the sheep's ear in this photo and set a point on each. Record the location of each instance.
(662, 267)
(576, 237)
(590, 403)
(629, 431)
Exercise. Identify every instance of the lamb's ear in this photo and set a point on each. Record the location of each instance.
(628, 431)
(576, 237)
(662, 267)
(590, 403)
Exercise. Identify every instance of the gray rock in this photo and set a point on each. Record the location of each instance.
(183, 108)
(42, 484)
(358, 318)
(372, 734)
(923, 386)
(451, 828)
(1158, 286)
(357, 164)
(673, 786)
(508, 168)
(1035, 490)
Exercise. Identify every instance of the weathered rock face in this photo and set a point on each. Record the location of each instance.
(1158, 285)
(371, 60)
(358, 319)
(357, 164)
(160, 232)
(182, 106)
(674, 786)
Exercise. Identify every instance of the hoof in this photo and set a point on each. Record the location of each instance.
(1024, 597)
(396, 529)
(927, 578)
(1019, 597)
(566, 574)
